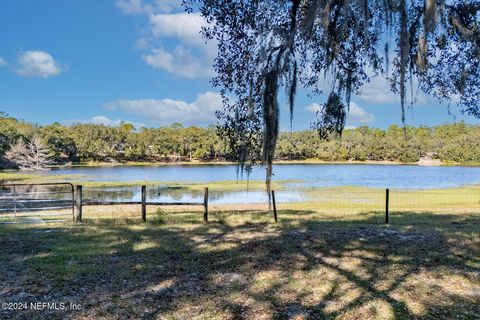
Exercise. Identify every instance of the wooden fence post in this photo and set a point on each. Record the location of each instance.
(144, 203)
(274, 206)
(387, 203)
(15, 202)
(78, 211)
(205, 205)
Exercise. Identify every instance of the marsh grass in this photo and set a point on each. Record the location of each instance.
(227, 185)
(17, 177)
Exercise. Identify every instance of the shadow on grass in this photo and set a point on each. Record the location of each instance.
(424, 266)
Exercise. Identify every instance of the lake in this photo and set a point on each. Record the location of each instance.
(308, 175)
(303, 175)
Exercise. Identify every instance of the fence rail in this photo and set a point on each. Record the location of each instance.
(24, 199)
(78, 215)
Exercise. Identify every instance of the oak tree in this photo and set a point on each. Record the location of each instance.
(266, 47)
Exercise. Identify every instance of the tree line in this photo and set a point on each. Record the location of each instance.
(457, 142)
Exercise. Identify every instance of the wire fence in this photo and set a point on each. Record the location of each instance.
(51, 202)
(387, 206)
(345, 202)
(441, 201)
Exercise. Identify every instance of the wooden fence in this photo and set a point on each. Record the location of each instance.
(79, 203)
(12, 195)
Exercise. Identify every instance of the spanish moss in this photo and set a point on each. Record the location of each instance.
(265, 46)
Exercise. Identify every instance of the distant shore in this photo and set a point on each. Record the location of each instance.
(421, 162)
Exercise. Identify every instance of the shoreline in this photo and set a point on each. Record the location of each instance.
(431, 163)
(220, 185)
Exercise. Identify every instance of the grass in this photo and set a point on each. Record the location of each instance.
(311, 265)
(227, 185)
(17, 177)
(233, 185)
(351, 200)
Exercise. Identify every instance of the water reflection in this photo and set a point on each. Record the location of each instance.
(54, 196)
(163, 194)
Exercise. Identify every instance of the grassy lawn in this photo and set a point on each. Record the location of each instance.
(310, 265)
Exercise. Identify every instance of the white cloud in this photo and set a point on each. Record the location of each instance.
(147, 7)
(167, 5)
(105, 121)
(130, 6)
(192, 57)
(357, 115)
(167, 111)
(143, 44)
(187, 55)
(313, 108)
(2, 62)
(183, 26)
(38, 64)
(378, 91)
(180, 62)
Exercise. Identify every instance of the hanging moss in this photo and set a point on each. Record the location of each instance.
(264, 46)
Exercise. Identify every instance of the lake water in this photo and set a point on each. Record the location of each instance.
(308, 175)
(304, 175)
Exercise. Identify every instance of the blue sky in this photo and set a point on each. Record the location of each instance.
(139, 61)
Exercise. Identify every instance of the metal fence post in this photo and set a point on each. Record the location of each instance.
(387, 203)
(78, 212)
(144, 203)
(274, 206)
(205, 205)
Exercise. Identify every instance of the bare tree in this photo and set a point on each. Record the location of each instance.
(31, 156)
(17, 154)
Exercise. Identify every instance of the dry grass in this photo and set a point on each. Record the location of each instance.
(310, 265)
